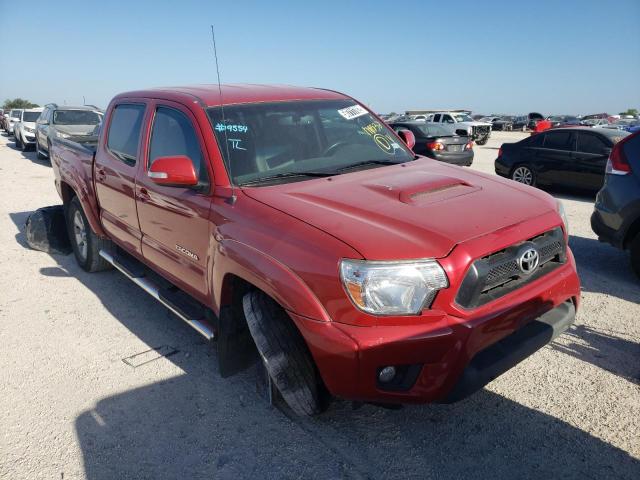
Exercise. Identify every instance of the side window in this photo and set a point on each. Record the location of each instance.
(536, 140)
(124, 131)
(590, 144)
(447, 119)
(436, 117)
(558, 141)
(173, 135)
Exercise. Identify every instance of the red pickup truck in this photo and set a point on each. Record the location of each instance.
(292, 222)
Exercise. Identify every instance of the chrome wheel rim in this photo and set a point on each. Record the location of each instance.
(523, 175)
(80, 235)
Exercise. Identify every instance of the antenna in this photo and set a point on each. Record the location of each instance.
(224, 120)
(84, 102)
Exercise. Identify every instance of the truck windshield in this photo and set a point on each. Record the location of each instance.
(30, 116)
(75, 117)
(463, 117)
(297, 140)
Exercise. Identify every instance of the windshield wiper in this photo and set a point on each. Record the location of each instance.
(278, 176)
(368, 162)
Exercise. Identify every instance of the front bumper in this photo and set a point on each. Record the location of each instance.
(29, 138)
(446, 356)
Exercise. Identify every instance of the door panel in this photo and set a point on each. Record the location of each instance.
(554, 158)
(175, 221)
(115, 174)
(591, 160)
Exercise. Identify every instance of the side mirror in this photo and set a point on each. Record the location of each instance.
(408, 137)
(175, 171)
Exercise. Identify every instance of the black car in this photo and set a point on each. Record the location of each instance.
(499, 123)
(437, 142)
(616, 217)
(564, 121)
(573, 157)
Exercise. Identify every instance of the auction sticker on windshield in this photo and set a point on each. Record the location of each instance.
(352, 112)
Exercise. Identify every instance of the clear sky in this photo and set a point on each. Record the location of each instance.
(565, 56)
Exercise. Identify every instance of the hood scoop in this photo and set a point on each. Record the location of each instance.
(423, 188)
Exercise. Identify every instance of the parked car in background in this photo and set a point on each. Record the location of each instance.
(573, 157)
(520, 122)
(3, 116)
(498, 123)
(594, 122)
(620, 124)
(616, 215)
(564, 121)
(12, 119)
(25, 129)
(399, 279)
(437, 142)
(65, 122)
(455, 122)
(532, 119)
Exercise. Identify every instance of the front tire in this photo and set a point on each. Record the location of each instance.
(17, 140)
(85, 243)
(285, 354)
(523, 174)
(635, 255)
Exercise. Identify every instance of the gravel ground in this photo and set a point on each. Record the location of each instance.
(71, 408)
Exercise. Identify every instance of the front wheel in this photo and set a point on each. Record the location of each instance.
(285, 354)
(18, 142)
(523, 174)
(482, 141)
(86, 244)
(635, 255)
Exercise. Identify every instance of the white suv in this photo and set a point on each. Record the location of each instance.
(25, 129)
(14, 117)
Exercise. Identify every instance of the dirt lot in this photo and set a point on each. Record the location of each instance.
(71, 408)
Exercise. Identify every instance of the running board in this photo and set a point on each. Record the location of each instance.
(140, 279)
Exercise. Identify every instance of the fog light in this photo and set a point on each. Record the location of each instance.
(387, 374)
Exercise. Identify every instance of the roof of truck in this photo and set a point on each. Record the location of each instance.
(209, 95)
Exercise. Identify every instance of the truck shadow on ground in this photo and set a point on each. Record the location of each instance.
(605, 269)
(198, 425)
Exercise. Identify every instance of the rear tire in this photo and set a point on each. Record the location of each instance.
(635, 255)
(285, 354)
(523, 174)
(85, 243)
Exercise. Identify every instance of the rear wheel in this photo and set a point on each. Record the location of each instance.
(523, 174)
(285, 354)
(86, 244)
(635, 255)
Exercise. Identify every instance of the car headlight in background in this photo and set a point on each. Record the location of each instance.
(62, 135)
(28, 129)
(392, 288)
(563, 214)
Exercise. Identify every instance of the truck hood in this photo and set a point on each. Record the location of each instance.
(474, 124)
(76, 130)
(419, 209)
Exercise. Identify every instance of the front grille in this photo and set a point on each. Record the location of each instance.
(497, 274)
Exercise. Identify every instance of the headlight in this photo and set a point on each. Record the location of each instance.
(62, 135)
(563, 214)
(392, 288)
(30, 130)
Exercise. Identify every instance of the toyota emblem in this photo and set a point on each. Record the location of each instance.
(529, 261)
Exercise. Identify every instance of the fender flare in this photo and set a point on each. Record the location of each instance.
(266, 273)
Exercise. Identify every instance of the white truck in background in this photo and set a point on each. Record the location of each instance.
(455, 121)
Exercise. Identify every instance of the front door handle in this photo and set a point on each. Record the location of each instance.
(100, 174)
(143, 194)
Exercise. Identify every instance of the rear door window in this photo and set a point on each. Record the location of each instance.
(588, 143)
(558, 141)
(124, 132)
(436, 117)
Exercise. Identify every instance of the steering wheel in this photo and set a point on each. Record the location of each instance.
(330, 151)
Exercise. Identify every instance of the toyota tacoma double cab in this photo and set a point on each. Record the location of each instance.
(298, 230)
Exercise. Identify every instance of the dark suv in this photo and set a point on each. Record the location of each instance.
(616, 218)
(65, 122)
